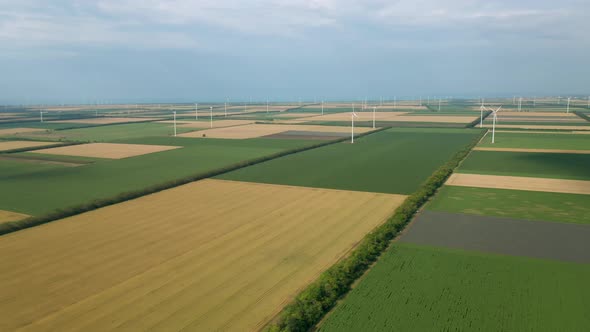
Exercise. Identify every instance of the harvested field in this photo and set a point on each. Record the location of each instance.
(6, 216)
(289, 115)
(506, 236)
(307, 135)
(259, 130)
(12, 145)
(537, 140)
(12, 131)
(107, 150)
(540, 114)
(207, 124)
(520, 183)
(362, 116)
(532, 150)
(527, 126)
(210, 255)
(105, 120)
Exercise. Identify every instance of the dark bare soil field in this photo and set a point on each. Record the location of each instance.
(507, 236)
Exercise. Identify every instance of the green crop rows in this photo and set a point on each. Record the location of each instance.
(415, 288)
(391, 161)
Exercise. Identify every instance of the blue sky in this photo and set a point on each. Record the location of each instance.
(153, 50)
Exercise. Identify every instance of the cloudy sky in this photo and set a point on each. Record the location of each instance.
(208, 50)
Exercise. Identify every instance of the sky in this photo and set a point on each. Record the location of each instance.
(211, 50)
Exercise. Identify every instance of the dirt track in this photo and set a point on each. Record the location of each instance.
(519, 183)
(210, 255)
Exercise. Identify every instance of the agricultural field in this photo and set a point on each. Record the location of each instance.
(523, 140)
(414, 288)
(210, 255)
(528, 164)
(520, 204)
(15, 145)
(260, 130)
(29, 179)
(390, 161)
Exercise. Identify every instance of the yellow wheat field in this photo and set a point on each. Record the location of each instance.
(106, 150)
(12, 131)
(6, 216)
(520, 183)
(210, 255)
(11, 145)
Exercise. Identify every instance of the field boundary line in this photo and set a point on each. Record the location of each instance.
(10, 227)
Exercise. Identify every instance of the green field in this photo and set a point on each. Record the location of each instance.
(543, 165)
(531, 205)
(414, 288)
(111, 132)
(538, 141)
(390, 161)
(36, 188)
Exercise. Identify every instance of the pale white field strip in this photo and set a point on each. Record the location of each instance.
(11, 145)
(106, 150)
(525, 126)
(532, 150)
(211, 255)
(541, 114)
(11, 131)
(519, 183)
(259, 130)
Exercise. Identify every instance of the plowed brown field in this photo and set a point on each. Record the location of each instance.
(210, 255)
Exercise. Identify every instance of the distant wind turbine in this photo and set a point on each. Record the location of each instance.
(352, 116)
(568, 104)
(196, 111)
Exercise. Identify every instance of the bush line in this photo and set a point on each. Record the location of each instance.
(317, 299)
(582, 115)
(13, 226)
(477, 121)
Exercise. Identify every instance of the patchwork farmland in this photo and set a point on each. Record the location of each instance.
(266, 217)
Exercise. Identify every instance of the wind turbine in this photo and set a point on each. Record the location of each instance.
(211, 113)
(568, 104)
(588, 101)
(439, 104)
(481, 114)
(494, 123)
(197, 111)
(267, 106)
(174, 112)
(225, 108)
(322, 107)
(374, 117)
(520, 104)
(352, 116)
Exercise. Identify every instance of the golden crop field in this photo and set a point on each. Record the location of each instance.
(259, 130)
(11, 145)
(106, 150)
(204, 256)
(6, 216)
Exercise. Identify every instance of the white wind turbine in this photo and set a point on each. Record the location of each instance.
(352, 116)
(174, 112)
(322, 107)
(374, 117)
(481, 109)
(211, 114)
(568, 104)
(196, 111)
(495, 113)
(520, 104)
